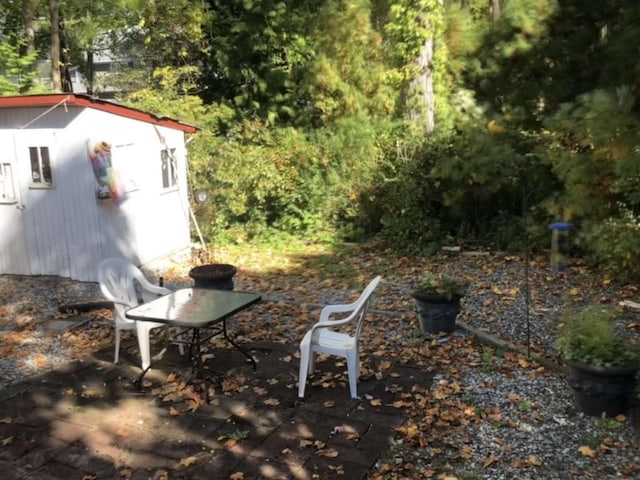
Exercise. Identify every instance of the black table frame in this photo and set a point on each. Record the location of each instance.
(172, 309)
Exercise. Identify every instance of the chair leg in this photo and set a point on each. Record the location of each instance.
(116, 356)
(143, 345)
(353, 370)
(181, 339)
(305, 361)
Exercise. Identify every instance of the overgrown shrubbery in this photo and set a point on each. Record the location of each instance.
(323, 153)
(264, 179)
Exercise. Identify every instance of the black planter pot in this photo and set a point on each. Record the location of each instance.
(436, 314)
(215, 276)
(599, 390)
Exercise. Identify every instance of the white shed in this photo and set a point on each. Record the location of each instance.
(83, 179)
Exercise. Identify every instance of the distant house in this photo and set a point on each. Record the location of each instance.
(83, 179)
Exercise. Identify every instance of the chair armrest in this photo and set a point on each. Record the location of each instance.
(329, 310)
(325, 322)
(147, 285)
(151, 288)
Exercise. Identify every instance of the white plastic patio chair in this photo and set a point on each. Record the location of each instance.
(323, 338)
(118, 278)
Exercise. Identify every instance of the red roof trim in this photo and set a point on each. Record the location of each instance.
(49, 100)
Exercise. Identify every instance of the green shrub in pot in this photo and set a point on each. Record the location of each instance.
(595, 337)
(601, 358)
(441, 286)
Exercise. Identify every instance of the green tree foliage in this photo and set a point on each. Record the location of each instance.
(16, 70)
(259, 52)
(347, 77)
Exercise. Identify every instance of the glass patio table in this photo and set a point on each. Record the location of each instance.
(197, 310)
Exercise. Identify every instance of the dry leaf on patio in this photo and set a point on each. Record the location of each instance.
(6, 441)
(187, 461)
(490, 460)
(587, 451)
(305, 443)
(329, 404)
(6, 420)
(410, 431)
(376, 402)
(236, 476)
(327, 452)
(174, 412)
(535, 461)
(272, 402)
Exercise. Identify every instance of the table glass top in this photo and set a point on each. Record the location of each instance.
(193, 307)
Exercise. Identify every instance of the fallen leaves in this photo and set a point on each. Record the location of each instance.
(6, 441)
(587, 451)
(327, 452)
(188, 461)
(490, 460)
(433, 415)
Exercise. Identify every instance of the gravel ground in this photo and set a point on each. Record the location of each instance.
(523, 424)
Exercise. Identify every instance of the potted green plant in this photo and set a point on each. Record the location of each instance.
(601, 359)
(437, 297)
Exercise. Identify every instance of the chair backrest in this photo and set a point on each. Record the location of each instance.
(357, 311)
(362, 304)
(117, 278)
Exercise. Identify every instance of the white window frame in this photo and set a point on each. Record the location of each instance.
(39, 172)
(169, 169)
(7, 184)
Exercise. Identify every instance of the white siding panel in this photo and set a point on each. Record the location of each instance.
(79, 207)
(13, 250)
(44, 219)
(67, 230)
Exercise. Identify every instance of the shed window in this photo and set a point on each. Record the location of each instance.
(41, 176)
(7, 191)
(169, 168)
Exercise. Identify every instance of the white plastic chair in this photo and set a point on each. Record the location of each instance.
(322, 338)
(118, 277)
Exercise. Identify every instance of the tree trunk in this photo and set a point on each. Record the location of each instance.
(422, 87)
(496, 10)
(90, 73)
(54, 18)
(28, 8)
(65, 75)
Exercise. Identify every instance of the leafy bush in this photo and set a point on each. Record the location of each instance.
(593, 336)
(613, 245)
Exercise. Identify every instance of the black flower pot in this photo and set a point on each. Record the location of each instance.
(599, 390)
(436, 314)
(215, 276)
